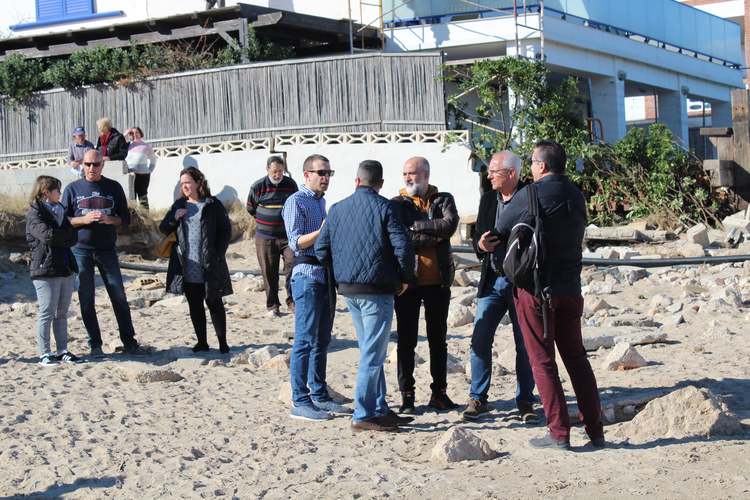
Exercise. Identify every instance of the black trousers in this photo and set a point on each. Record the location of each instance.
(140, 185)
(196, 294)
(436, 300)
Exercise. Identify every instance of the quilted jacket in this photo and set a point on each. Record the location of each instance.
(366, 244)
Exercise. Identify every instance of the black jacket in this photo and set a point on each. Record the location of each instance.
(117, 146)
(50, 243)
(432, 229)
(564, 219)
(486, 222)
(215, 234)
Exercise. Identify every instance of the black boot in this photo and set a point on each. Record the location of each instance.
(202, 344)
(407, 403)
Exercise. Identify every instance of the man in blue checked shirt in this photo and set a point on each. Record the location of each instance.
(304, 214)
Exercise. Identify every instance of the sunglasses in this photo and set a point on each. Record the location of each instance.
(323, 173)
(92, 164)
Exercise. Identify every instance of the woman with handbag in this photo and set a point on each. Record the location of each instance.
(197, 264)
(52, 268)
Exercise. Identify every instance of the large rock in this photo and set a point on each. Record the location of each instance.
(458, 444)
(459, 315)
(698, 234)
(596, 337)
(623, 357)
(254, 284)
(256, 358)
(278, 363)
(692, 250)
(689, 412)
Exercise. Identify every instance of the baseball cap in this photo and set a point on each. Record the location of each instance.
(79, 131)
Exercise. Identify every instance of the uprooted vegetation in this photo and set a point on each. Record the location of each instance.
(646, 175)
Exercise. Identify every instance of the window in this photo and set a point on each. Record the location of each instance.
(57, 9)
(53, 12)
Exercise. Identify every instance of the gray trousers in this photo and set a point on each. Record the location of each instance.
(53, 298)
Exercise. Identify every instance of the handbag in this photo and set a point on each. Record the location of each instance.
(164, 247)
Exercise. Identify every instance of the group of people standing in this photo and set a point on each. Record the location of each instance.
(382, 255)
(113, 145)
(394, 256)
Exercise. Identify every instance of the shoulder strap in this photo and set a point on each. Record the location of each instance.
(533, 202)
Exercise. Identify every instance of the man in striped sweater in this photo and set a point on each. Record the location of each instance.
(265, 202)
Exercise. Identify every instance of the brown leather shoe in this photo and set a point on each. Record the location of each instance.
(382, 424)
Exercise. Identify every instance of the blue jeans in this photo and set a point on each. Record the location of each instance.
(109, 269)
(313, 321)
(490, 310)
(371, 315)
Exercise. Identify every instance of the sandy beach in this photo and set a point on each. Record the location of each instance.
(177, 425)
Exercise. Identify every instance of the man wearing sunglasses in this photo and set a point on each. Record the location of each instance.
(303, 215)
(96, 206)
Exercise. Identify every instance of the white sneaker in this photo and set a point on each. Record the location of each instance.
(47, 360)
(273, 313)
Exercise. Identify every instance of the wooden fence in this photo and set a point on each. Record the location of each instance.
(369, 92)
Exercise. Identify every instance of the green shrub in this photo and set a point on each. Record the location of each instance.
(20, 78)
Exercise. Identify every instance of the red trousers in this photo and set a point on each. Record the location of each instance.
(564, 330)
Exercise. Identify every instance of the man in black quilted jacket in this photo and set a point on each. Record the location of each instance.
(432, 219)
(373, 260)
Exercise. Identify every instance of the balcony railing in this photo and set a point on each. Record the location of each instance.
(666, 23)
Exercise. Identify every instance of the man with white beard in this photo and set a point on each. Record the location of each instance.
(431, 218)
(265, 202)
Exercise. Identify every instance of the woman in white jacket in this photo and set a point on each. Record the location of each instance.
(141, 160)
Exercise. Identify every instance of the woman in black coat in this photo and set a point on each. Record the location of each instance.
(197, 264)
(52, 267)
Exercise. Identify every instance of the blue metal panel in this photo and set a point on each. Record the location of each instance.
(49, 9)
(79, 7)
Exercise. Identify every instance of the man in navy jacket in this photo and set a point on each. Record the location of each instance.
(372, 259)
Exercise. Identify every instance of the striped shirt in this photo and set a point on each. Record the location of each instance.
(265, 203)
(303, 213)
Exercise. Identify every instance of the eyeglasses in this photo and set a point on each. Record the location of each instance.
(323, 173)
(533, 160)
(92, 164)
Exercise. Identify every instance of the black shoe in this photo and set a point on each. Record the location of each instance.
(441, 402)
(223, 348)
(598, 442)
(527, 413)
(68, 357)
(407, 403)
(96, 352)
(133, 349)
(200, 347)
(547, 441)
(394, 418)
(475, 409)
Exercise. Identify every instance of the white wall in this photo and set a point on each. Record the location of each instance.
(231, 174)
(23, 11)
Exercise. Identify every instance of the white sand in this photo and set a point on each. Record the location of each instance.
(88, 431)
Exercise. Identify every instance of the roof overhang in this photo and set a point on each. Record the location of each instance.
(308, 35)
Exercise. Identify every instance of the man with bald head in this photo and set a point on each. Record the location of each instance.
(97, 206)
(495, 295)
(431, 218)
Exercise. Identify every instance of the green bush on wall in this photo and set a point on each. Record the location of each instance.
(21, 77)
